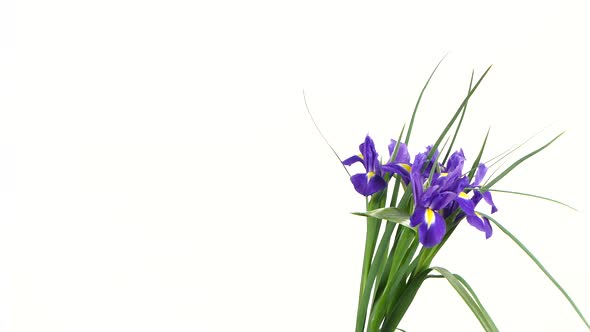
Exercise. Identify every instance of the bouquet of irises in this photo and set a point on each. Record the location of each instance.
(420, 201)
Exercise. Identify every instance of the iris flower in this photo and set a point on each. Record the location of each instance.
(431, 224)
(372, 180)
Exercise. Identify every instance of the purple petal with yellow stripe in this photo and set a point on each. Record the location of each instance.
(368, 183)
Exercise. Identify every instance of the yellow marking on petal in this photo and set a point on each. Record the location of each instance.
(479, 215)
(361, 156)
(406, 167)
(370, 175)
(464, 195)
(443, 174)
(429, 217)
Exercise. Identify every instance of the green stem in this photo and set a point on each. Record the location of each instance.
(373, 226)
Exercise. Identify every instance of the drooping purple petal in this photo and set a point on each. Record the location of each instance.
(475, 221)
(398, 168)
(465, 203)
(368, 184)
(487, 196)
(481, 223)
(487, 227)
(432, 230)
(352, 160)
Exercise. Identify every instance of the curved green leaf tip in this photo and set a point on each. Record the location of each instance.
(390, 214)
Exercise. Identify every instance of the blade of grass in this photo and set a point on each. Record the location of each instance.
(474, 296)
(476, 161)
(407, 140)
(539, 265)
(489, 184)
(322, 135)
(476, 308)
(534, 196)
(454, 118)
(460, 122)
(375, 267)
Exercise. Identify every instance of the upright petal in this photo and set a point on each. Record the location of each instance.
(402, 152)
(369, 153)
(480, 174)
(416, 176)
(456, 161)
(441, 199)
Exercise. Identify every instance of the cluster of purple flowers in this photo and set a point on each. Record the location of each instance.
(440, 191)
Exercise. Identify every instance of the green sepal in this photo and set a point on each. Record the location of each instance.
(390, 214)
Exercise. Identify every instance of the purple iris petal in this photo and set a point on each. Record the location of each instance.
(352, 160)
(465, 204)
(441, 200)
(416, 178)
(418, 217)
(481, 223)
(402, 152)
(398, 168)
(369, 153)
(480, 174)
(487, 196)
(430, 234)
(366, 184)
(456, 161)
(431, 228)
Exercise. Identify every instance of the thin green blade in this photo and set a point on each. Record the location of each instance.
(534, 259)
(476, 308)
(518, 162)
(478, 159)
(460, 121)
(407, 140)
(534, 196)
(454, 118)
(322, 135)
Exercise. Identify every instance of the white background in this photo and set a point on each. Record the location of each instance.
(158, 170)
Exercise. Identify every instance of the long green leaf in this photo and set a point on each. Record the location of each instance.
(477, 160)
(404, 301)
(460, 122)
(474, 296)
(534, 259)
(534, 196)
(322, 135)
(450, 124)
(477, 310)
(407, 140)
(516, 163)
(374, 269)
